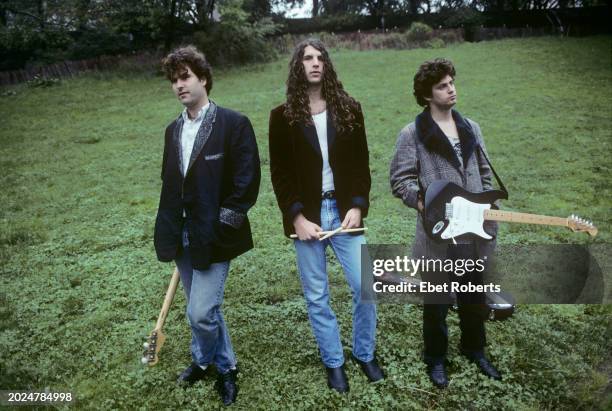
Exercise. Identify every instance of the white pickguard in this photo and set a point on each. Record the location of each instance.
(465, 217)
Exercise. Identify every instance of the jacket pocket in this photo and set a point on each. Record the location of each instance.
(213, 156)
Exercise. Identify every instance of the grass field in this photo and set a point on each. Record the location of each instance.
(80, 284)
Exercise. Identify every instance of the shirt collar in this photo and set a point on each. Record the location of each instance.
(200, 115)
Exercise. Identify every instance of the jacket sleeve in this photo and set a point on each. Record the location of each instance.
(246, 175)
(362, 181)
(404, 170)
(282, 167)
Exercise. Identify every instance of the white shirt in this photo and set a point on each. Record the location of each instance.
(189, 133)
(320, 122)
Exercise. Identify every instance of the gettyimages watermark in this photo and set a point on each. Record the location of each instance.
(532, 274)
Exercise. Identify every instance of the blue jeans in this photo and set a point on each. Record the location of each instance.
(313, 275)
(210, 341)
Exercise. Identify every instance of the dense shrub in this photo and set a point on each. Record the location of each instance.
(434, 43)
(419, 32)
(236, 40)
(390, 41)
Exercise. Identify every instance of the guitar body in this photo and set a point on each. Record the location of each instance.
(452, 213)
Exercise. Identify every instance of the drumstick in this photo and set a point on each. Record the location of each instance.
(347, 230)
(330, 233)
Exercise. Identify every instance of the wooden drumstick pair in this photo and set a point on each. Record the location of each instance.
(326, 234)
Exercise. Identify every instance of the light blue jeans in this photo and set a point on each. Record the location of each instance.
(313, 275)
(210, 340)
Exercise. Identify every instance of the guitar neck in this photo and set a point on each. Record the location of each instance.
(514, 217)
(168, 300)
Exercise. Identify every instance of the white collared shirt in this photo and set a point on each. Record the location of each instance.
(320, 122)
(189, 133)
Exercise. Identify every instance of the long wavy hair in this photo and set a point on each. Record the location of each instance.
(340, 105)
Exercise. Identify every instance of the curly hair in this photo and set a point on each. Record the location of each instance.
(188, 56)
(429, 74)
(340, 105)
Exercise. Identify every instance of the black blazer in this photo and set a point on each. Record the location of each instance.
(221, 184)
(296, 166)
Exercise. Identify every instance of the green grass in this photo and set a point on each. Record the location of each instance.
(81, 285)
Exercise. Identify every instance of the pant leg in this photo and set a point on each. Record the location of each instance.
(315, 285)
(435, 332)
(313, 276)
(348, 251)
(472, 318)
(204, 290)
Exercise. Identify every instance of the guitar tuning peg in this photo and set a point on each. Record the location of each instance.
(144, 360)
(145, 345)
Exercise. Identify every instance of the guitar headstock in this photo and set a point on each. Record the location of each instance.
(154, 343)
(578, 224)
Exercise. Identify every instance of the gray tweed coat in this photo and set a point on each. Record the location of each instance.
(423, 154)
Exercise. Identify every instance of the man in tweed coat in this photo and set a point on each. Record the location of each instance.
(442, 145)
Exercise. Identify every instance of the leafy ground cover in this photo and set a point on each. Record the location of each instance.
(80, 285)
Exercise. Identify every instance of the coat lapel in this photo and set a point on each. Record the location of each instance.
(176, 137)
(466, 136)
(310, 132)
(331, 132)
(435, 140)
(203, 134)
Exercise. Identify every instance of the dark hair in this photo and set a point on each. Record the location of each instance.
(430, 73)
(339, 104)
(189, 56)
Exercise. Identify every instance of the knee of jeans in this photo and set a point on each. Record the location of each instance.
(202, 315)
(317, 300)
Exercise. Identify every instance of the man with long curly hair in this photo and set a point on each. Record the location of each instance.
(443, 145)
(321, 178)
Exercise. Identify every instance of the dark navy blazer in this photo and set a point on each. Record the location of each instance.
(221, 184)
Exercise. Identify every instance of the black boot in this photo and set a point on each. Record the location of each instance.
(227, 387)
(371, 369)
(336, 379)
(483, 365)
(437, 375)
(191, 374)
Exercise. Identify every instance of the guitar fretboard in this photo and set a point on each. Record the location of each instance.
(514, 217)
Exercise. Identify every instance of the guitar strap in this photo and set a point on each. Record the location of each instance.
(501, 184)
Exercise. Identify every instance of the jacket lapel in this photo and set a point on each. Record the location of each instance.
(176, 137)
(435, 140)
(310, 132)
(331, 132)
(203, 134)
(466, 136)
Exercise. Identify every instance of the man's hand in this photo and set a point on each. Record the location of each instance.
(352, 219)
(305, 229)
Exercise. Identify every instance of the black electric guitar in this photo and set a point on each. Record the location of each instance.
(452, 213)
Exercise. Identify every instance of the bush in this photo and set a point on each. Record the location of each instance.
(235, 40)
(434, 43)
(390, 41)
(449, 35)
(419, 32)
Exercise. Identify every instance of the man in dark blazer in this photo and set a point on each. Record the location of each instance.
(321, 178)
(443, 145)
(210, 179)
